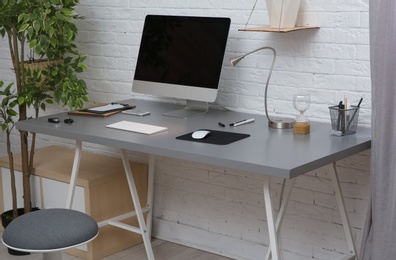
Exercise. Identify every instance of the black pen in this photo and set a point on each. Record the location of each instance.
(221, 124)
(115, 103)
(354, 113)
(360, 102)
(340, 106)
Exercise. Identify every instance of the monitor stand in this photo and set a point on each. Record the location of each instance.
(192, 109)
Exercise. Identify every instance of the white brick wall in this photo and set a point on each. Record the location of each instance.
(221, 210)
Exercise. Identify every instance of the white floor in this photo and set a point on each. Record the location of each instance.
(162, 251)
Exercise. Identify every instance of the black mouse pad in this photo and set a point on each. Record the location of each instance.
(215, 137)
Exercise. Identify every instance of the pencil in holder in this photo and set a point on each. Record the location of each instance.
(344, 121)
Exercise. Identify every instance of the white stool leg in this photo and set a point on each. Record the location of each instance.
(53, 256)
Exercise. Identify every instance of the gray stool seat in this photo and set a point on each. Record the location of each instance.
(50, 230)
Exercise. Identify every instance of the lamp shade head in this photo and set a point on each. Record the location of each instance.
(234, 61)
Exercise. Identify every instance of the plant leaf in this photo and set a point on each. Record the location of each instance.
(36, 26)
(23, 27)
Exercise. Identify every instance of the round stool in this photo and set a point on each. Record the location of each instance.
(50, 231)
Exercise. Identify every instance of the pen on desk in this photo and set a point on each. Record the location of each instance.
(243, 122)
(221, 124)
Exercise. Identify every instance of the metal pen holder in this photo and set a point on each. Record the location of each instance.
(344, 121)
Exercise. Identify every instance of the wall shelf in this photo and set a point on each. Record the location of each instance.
(278, 30)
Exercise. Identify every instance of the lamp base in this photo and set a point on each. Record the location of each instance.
(281, 123)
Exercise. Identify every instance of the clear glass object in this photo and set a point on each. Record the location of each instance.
(302, 103)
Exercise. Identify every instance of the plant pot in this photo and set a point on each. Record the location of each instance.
(6, 219)
(283, 13)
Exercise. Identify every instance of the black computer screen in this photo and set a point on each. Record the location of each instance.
(182, 50)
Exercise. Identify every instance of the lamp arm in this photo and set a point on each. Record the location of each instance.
(267, 83)
(280, 123)
(259, 49)
(235, 61)
(268, 78)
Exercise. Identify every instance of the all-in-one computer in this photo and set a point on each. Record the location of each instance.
(182, 57)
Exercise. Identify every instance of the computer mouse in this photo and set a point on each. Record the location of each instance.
(200, 134)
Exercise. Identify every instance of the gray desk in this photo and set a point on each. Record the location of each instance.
(267, 151)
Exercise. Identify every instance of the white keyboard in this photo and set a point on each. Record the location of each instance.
(138, 127)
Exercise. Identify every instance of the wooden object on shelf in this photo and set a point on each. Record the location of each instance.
(105, 193)
(278, 30)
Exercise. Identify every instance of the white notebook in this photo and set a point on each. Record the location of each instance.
(138, 127)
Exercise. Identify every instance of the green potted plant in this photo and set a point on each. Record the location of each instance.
(47, 29)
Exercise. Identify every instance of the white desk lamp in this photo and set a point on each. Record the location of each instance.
(280, 123)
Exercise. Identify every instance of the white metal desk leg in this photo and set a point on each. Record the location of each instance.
(74, 174)
(150, 193)
(282, 210)
(136, 202)
(344, 217)
(273, 238)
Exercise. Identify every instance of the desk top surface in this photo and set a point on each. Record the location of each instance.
(274, 152)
